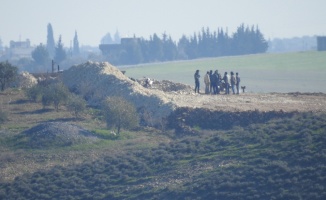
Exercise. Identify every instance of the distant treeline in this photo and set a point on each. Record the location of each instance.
(246, 40)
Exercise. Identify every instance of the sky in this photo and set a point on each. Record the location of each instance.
(93, 19)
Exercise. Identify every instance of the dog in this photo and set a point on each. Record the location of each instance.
(243, 88)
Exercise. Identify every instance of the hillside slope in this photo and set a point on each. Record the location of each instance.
(281, 159)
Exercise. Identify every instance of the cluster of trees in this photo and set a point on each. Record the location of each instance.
(246, 40)
(280, 159)
(205, 43)
(118, 112)
(43, 54)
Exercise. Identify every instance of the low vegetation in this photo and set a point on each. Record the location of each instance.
(120, 113)
(281, 159)
(8, 74)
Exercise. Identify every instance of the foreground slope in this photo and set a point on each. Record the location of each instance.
(282, 159)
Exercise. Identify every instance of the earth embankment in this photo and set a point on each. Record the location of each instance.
(96, 81)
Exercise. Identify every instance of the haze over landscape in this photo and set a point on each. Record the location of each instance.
(84, 115)
(21, 20)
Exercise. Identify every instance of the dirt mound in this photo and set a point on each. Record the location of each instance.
(55, 134)
(167, 86)
(24, 80)
(96, 81)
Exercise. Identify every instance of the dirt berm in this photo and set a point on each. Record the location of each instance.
(96, 81)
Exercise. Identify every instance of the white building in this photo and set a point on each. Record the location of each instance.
(20, 49)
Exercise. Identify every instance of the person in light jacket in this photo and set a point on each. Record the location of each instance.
(226, 82)
(237, 78)
(233, 82)
(207, 82)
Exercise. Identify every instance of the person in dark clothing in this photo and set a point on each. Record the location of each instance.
(215, 82)
(197, 85)
(226, 82)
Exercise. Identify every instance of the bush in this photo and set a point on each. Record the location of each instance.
(76, 105)
(8, 73)
(56, 93)
(34, 93)
(120, 113)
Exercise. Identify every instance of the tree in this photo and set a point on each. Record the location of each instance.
(56, 94)
(50, 45)
(248, 41)
(76, 105)
(120, 113)
(35, 92)
(8, 73)
(156, 48)
(169, 48)
(76, 45)
(60, 53)
(41, 55)
(183, 46)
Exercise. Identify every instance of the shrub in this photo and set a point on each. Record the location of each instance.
(34, 93)
(120, 113)
(8, 73)
(56, 93)
(76, 105)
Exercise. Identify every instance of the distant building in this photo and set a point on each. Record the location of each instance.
(20, 49)
(321, 43)
(113, 49)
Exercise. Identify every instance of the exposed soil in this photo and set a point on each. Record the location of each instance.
(286, 102)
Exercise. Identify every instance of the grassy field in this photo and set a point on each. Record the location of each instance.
(286, 72)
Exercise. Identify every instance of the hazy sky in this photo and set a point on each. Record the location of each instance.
(92, 19)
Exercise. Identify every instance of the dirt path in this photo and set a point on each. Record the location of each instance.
(287, 102)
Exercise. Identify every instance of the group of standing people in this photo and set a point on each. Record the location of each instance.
(215, 83)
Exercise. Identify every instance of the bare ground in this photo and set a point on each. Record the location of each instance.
(287, 102)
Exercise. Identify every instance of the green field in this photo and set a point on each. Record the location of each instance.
(286, 72)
